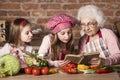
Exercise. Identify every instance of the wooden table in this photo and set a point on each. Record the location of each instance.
(59, 76)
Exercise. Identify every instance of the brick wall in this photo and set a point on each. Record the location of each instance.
(38, 11)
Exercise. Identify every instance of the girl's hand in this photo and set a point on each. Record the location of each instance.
(19, 51)
(62, 63)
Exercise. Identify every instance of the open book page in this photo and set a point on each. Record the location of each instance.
(88, 57)
(74, 58)
(82, 58)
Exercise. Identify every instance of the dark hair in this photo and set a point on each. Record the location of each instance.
(15, 30)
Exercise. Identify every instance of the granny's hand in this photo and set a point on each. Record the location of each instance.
(97, 61)
(102, 61)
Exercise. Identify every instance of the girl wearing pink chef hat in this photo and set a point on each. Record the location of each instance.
(56, 45)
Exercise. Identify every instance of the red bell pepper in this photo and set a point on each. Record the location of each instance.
(100, 71)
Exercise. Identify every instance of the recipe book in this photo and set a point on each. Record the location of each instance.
(82, 58)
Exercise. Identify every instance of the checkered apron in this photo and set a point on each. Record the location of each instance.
(97, 45)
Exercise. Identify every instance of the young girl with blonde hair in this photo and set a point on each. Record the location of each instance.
(20, 36)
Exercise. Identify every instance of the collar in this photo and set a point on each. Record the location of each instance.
(99, 34)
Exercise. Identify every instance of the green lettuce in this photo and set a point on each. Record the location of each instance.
(9, 65)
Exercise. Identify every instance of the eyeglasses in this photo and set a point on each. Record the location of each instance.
(89, 24)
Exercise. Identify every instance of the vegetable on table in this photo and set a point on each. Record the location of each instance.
(82, 67)
(9, 65)
(104, 69)
(43, 63)
(28, 70)
(69, 68)
(44, 70)
(53, 70)
(100, 71)
(36, 71)
(94, 66)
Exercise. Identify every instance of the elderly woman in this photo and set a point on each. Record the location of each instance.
(95, 38)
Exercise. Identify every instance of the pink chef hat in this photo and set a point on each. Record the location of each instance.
(60, 22)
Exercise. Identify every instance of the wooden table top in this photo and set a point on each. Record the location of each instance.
(60, 76)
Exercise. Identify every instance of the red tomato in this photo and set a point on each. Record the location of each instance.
(36, 71)
(71, 65)
(66, 69)
(94, 66)
(44, 70)
(72, 71)
(28, 70)
(63, 68)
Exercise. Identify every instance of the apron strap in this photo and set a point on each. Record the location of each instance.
(99, 34)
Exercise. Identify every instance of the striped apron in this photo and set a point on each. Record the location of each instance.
(97, 45)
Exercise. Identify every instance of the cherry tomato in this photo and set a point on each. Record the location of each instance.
(94, 66)
(36, 71)
(66, 69)
(72, 71)
(28, 70)
(44, 70)
(71, 65)
(63, 68)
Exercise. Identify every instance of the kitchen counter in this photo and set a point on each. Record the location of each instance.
(60, 76)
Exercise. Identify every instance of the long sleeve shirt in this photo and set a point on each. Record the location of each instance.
(45, 50)
(112, 44)
(45, 47)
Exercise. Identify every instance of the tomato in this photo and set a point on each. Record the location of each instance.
(69, 68)
(66, 69)
(28, 70)
(72, 71)
(94, 66)
(71, 65)
(36, 71)
(63, 68)
(44, 70)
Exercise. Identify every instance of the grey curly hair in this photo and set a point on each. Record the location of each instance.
(93, 12)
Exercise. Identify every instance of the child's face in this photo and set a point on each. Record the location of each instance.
(65, 35)
(26, 34)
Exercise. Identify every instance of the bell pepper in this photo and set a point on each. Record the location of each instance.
(100, 71)
(43, 63)
(82, 67)
(104, 69)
